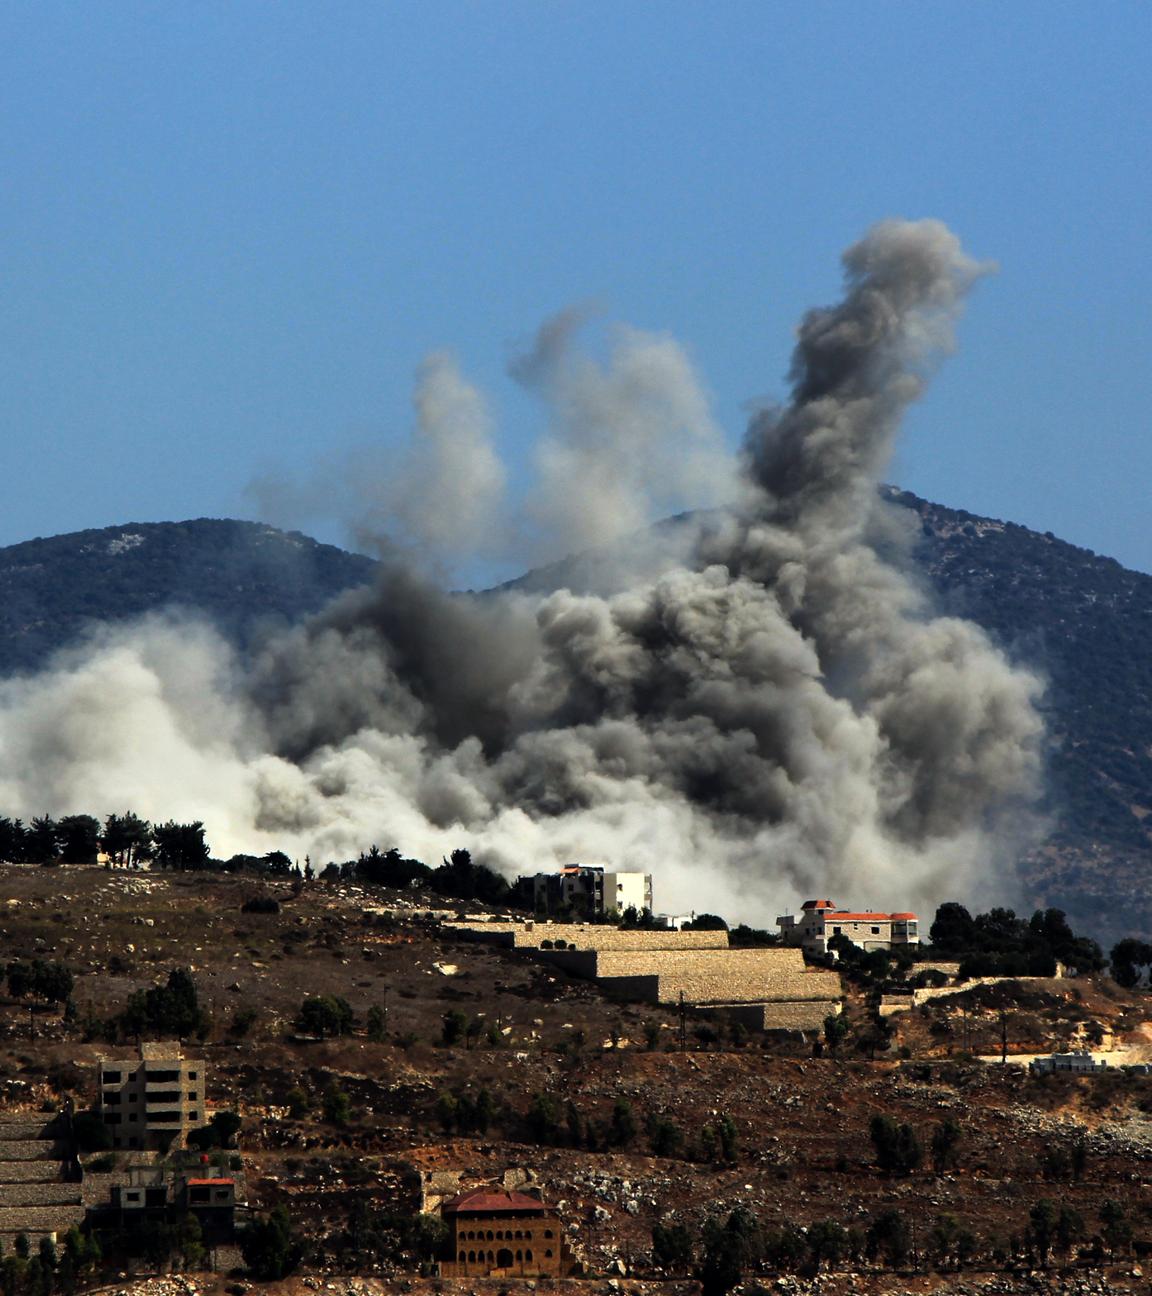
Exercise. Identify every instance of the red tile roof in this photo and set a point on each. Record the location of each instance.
(491, 1201)
(857, 917)
(904, 917)
(201, 1182)
(817, 904)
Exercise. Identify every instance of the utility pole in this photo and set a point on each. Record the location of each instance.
(1003, 1037)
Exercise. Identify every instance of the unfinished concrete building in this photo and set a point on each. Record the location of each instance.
(153, 1101)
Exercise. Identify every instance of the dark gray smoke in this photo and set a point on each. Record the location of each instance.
(778, 712)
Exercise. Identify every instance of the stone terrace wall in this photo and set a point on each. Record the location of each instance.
(807, 1016)
(702, 976)
(39, 1194)
(28, 1171)
(589, 936)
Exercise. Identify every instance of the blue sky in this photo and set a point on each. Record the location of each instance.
(229, 232)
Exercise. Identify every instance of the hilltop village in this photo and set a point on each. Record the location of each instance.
(258, 1077)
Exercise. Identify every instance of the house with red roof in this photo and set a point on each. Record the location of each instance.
(820, 921)
(498, 1234)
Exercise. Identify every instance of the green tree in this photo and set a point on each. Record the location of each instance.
(827, 1243)
(889, 1239)
(268, 1247)
(665, 1137)
(377, 1024)
(337, 1106)
(127, 839)
(836, 1030)
(180, 846)
(945, 1142)
(897, 1147)
(1069, 1229)
(41, 844)
(79, 839)
(326, 1015)
(731, 1249)
(728, 1138)
(672, 1247)
(1041, 1229)
(1115, 1227)
(453, 1026)
(544, 1118)
(623, 1123)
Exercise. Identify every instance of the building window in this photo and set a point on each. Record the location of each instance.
(193, 1116)
(134, 1196)
(111, 1118)
(835, 931)
(112, 1077)
(191, 1075)
(875, 931)
(112, 1099)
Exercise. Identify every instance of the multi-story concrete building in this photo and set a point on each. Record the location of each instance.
(587, 889)
(153, 1101)
(820, 921)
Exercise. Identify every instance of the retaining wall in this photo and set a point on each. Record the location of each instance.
(806, 1016)
(39, 1194)
(702, 976)
(588, 936)
(28, 1171)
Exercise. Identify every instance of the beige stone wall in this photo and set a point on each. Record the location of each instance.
(703, 976)
(589, 936)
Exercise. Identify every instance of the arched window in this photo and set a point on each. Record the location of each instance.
(463, 1257)
(547, 1232)
(548, 1253)
(471, 1257)
(528, 1256)
(519, 1257)
(491, 1257)
(491, 1236)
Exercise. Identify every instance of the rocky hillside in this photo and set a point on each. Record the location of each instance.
(1084, 622)
(460, 1057)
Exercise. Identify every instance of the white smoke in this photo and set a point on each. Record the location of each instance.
(778, 714)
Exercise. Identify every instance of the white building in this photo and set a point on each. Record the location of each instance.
(820, 921)
(588, 889)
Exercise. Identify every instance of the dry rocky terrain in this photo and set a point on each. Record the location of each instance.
(803, 1153)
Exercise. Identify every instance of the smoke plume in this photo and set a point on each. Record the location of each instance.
(773, 710)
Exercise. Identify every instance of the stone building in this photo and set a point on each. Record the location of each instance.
(497, 1234)
(820, 921)
(154, 1101)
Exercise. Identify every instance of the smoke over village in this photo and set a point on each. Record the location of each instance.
(759, 702)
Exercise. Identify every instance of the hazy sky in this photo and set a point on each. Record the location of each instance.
(230, 232)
